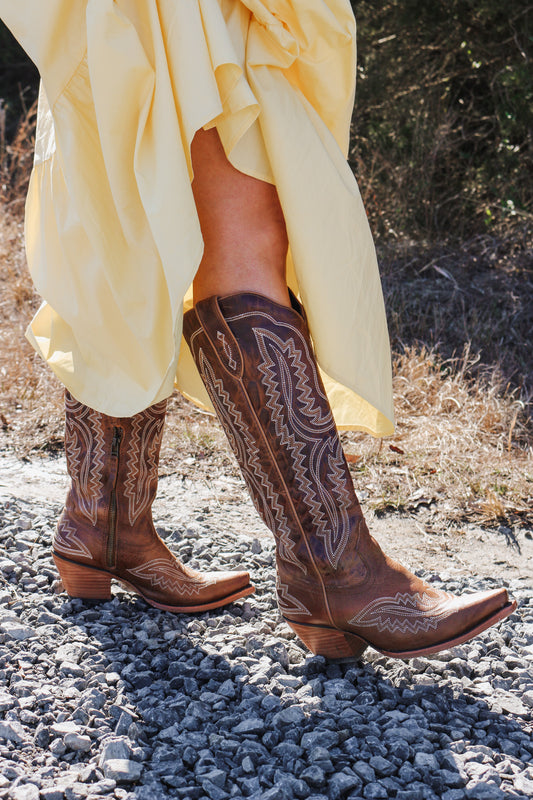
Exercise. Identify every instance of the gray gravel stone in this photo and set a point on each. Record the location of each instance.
(407, 773)
(12, 628)
(289, 716)
(122, 770)
(115, 748)
(58, 747)
(314, 776)
(365, 771)
(26, 792)
(124, 722)
(323, 738)
(62, 728)
(250, 725)
(375, 791)
(382, 766)
(484, 791)
(12, 731)
(52, 793)
(78, 742)
(416, 791)
(213, 791)
(247, 765)
(6, 701)
(275, 793)
(216, 776)
(426, 761)
(449, 778)
(104, 787)
(72, 669)
(340, 784)
(453, 794)
(524, 784)
(229, 704)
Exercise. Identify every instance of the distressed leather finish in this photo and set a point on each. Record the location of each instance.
(106, 524)
(256, 360)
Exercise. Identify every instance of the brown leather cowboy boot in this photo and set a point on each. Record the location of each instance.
(106, 529)
(336, 588)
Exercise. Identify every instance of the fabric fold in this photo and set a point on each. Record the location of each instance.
(113, 237)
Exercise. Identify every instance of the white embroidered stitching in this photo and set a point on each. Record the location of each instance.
(308, 433)
(165, 575)
(248, 456)
(227, 350)
(143, 452)
(288, 604)
(405, 612)
(84, 434)
(67, 541)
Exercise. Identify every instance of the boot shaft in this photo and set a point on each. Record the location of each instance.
(255, 358)
(113, 464)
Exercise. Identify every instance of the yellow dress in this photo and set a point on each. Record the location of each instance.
(112, 234)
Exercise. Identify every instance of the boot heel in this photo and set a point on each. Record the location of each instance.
(85, 583)
(329, 642)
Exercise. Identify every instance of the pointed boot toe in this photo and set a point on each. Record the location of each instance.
(481, 606)
(180, 589)
(229, 586)
(479, 611)
(465, 617)
(230, 581)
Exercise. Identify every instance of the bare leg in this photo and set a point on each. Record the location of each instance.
(242, 225)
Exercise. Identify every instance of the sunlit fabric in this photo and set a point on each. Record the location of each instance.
(112, 233)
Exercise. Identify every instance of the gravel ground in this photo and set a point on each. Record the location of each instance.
(121, 700)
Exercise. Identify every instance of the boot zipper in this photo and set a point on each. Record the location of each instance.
(112, 526)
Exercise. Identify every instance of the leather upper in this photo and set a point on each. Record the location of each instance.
(107, 519)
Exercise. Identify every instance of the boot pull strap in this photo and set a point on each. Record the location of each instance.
(220, 336)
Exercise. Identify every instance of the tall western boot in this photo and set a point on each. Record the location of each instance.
(106, 531)
(336, 588)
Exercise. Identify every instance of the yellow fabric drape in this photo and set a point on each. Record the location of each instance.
(112, 234)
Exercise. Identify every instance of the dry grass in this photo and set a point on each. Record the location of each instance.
(16, 158)
(30, 397)
(463, 446)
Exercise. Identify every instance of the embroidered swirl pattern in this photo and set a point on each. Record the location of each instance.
(405, 612)
(305, 427)
(264, 495)
(143, 455)
(85, 451)
(163, 574)
(67, 541)
(288, 604)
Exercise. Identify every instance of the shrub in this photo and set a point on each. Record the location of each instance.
(443, 121)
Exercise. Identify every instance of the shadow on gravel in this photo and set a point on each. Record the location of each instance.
(163, 707)
(124, 701)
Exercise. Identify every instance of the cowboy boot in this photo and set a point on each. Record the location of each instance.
(336, 588)
(106, 531)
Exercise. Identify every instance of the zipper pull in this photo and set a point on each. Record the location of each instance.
(115, 444)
